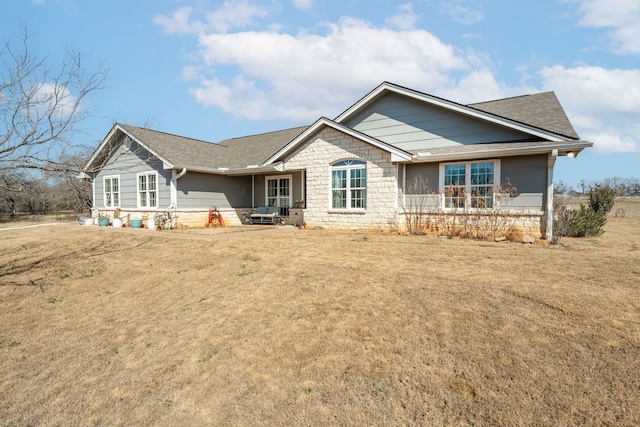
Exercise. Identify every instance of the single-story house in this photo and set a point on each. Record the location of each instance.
(353, 171)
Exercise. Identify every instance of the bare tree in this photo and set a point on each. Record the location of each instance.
(41, 108)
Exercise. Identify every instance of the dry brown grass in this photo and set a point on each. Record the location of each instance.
(296, 327)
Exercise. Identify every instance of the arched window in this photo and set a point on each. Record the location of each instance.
(349, 185)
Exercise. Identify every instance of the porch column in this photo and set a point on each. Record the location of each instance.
(551, 163)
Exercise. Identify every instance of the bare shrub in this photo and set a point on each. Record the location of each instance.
(620, 212)
(416, 205)
(476, 216)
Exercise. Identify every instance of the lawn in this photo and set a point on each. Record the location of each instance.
(278, 326)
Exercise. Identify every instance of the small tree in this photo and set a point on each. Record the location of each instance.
(589, 220)
(602, 199)
(41, 108)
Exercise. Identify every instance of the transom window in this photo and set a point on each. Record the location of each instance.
(148, 190)
(349, 185)
(469, 184)
(112, 191)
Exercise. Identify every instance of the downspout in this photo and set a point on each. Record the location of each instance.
(174, 185)
(553, 156)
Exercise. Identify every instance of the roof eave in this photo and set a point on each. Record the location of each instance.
(450, 105)
(396, 153)
(87, 167)
(248, 170)
(563, 150)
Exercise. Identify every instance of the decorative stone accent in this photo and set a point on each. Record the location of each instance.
(528, 239)
(317, 156)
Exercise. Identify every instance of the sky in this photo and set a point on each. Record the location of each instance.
(213, 70)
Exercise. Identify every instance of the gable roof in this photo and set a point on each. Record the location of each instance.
(396, 153)
(177, 152)
(546, 126)
(542, 110)
(539, 115)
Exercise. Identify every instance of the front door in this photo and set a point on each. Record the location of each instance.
(279, 193)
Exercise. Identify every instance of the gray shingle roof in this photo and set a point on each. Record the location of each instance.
(542, 110)
(231, 153)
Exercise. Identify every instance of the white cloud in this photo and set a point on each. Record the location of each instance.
(303, 4)
(460, 12)
(232, 14)
(52, 99)
(622, 17)
(178, 23)
(405, 19)
(307, 75)
(603, 104)
(270, 74)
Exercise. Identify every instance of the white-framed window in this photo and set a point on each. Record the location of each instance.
(111, 191)
(469, 184)
(278, 192)
(349, 185)
(147, 190)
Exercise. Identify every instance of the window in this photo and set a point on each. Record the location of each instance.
(469, 184)
(279, 193)
(349, 185)
(112, 191)
(148, 190)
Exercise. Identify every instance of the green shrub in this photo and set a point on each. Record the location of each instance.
(582, 223)
(588, 221)
(601, 199)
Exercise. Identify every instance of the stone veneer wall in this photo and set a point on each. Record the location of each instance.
(192, 218)
(531, 223)
(329, 146)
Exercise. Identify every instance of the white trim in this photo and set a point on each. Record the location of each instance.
(157, 190)
(441, 189)
(449, 105)
(104, 193)
(165, 162)
(563, 149)
(361, 165)
(396, 153)
(551, 161)
(266, 189)
(173, 184)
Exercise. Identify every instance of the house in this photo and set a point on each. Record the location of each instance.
(353, 171)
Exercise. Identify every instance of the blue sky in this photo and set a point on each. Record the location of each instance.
(219, 69)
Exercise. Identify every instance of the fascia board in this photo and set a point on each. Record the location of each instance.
(104, 142)
(235, 171)
(165, 162)
(453, 106)
(323, 121)
(560, 148)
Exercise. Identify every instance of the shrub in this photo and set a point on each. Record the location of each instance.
(601, 199)
(582, 223)
(588, 221)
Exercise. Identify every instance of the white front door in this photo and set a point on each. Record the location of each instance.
(278, 193)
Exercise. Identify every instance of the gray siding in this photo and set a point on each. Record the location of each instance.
(425, 174)
(413, 125)
(297, 191)
(199, 190)
(126, 164)
(528, 174)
